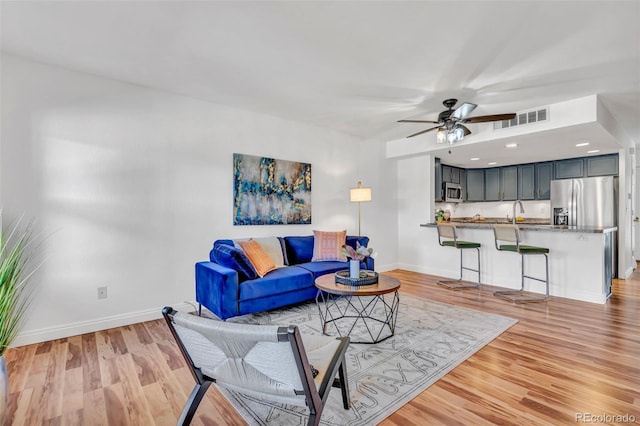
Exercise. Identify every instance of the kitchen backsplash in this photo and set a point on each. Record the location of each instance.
(532, 209)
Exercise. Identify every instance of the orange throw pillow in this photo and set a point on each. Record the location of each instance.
(258, 257)
(328, 245)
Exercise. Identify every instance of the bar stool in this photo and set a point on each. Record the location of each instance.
(511, 234)
(448, 230)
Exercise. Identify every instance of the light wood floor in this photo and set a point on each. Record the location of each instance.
(562, 358)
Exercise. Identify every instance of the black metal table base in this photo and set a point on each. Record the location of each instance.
(375, 313)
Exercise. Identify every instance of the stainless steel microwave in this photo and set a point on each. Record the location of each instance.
(452, 192)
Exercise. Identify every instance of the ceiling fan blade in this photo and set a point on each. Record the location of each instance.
(424, 131)
(417, 121)
(486, 118)
(464, 110)
(467, 132)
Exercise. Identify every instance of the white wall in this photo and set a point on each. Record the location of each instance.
(132, 185)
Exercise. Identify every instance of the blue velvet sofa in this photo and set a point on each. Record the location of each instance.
(228, 288)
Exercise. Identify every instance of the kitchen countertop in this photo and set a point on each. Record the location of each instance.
(528, 226)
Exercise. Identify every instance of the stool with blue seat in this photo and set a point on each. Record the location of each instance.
(507, 238)
(448, 230)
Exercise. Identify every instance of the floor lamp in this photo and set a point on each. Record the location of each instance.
(359, 195)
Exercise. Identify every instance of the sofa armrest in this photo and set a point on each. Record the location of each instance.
(217, 289)
(369, 263)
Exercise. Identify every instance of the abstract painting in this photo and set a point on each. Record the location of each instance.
(267, 191)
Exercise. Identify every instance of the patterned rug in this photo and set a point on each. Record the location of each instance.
(430, 340)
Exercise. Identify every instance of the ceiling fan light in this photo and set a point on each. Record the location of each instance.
(441, 136)
(459, 132)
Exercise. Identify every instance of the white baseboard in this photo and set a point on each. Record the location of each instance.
(68, 330)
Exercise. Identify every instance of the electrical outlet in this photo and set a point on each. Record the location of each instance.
(102, 292)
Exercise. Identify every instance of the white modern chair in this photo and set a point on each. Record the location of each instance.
(264, 361)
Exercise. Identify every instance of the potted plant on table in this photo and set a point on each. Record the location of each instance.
(17, 247)
(356, 256)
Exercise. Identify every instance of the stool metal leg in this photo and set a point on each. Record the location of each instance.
(520, 296)
(460, 283)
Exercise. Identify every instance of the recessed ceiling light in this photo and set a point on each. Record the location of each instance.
(593, 151)
(493, 163)
(511, 145)
(475, 158)
(582, 144)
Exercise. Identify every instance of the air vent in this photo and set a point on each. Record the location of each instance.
(521, 118)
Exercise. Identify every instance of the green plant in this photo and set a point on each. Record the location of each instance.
(17, 247)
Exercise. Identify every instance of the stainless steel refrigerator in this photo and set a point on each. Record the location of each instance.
(588, 202)
(584, 202)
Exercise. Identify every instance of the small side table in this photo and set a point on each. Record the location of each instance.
(349, 305)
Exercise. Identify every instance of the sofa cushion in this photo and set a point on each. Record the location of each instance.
(258, 257)
(299, 249)
(322, 268)
(283, 247)
(328, 245)
(232, 257)
(280, 280)
(271, 245)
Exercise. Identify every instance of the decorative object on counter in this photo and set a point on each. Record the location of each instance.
(439, 215)
(364, 278)
(359, 195)
(511, 234)
(447, 215)
(478, 218)
(447, 230)
(356, 256)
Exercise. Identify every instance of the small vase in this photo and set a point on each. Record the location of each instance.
(354, 269)
(4, 389)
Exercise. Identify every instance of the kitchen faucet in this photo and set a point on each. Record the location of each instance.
(514, 210)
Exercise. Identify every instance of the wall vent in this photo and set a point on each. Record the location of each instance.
(527, 117)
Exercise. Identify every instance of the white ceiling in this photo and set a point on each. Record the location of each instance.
(352, 66)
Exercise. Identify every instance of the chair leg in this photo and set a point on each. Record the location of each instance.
(460, 283)
(192, 403)
(314, 420)
(519, 296)
(344, 385)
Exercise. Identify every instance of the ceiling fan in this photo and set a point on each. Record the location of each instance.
(451, 122)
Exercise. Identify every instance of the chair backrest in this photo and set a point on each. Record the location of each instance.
(259, 360)
(447, 230)
(507, 233)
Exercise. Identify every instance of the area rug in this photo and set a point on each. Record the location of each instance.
(431, 339)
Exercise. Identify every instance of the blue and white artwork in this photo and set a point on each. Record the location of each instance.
(267, 191)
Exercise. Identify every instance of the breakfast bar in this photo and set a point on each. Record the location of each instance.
(581, 259)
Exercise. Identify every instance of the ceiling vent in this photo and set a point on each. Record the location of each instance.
(527, 117)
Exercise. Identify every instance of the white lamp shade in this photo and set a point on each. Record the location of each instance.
(358, 195)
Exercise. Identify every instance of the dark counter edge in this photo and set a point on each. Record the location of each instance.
(532, 227)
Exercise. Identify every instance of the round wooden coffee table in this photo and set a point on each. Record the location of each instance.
(363, 306)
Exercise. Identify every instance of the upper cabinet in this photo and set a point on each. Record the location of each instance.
(526, 182)
(544, 176)
(450, 174)
(572, 168)
(603, 165)
(492, 184)
(475, 185)
(509, 182)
